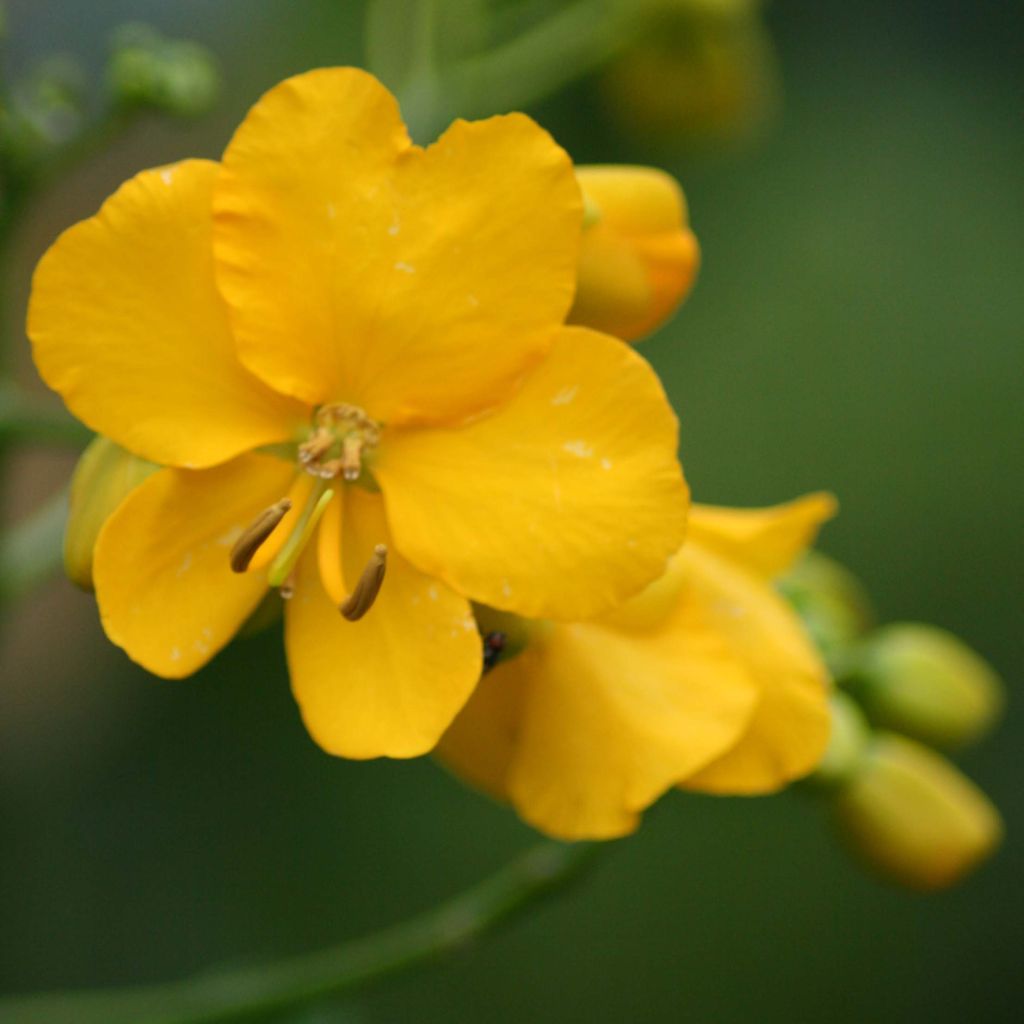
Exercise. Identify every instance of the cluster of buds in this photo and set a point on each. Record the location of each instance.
(908, 694)
(47, 116)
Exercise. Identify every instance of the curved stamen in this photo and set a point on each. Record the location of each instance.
(257, 533)
(360, 601)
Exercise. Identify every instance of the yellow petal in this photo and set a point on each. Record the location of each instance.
(764, 540)
(414, 283)
(165, 588)
(640, 259)
(789, 730)
(607, 721)
(127, 326)
(559, 504)
(390, 683)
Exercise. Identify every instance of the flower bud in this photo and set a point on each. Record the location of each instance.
(703, 72)
(171, 75)
(830, 600)
(42, 113)
(848, 742)
(639, 257)
(925, 682)
(105, 475)
(912, 816)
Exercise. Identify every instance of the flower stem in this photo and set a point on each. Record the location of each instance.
(31, 551)
(263, 993)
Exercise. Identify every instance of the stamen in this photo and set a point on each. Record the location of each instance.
(257, 533)
(352, 457)
(366, 590)
(282, 566)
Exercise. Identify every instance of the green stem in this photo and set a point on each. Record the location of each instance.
(32, 550)
(262, 993)
(565, 46)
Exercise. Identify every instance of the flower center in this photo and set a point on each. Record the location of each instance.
(341, 437)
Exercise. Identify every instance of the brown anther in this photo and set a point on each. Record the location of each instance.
(287, 589)
(254, 535)
(361, 599)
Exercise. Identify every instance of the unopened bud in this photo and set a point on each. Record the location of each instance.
(638, 258)
(105, 475)
(830, 600)
(146, 70)
(42, 113)
(703, 72)
(848, 742)
(911, 815)
(925, 682)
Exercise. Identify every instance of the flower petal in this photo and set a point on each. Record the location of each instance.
(606, 722)
(127, 326)
(390, 683)
(790, 727)
(165, 588)
(420, 282)
(764, 540)
(561, 503)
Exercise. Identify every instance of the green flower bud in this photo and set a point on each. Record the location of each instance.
(171, 75)
(44, 112)
(105, 475)
(847, 745)
(910, 815)
(830, 600)
(925, 682)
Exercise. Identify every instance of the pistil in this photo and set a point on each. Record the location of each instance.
(284, 564)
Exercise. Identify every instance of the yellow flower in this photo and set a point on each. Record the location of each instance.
(639, 257)
(349, 351)
(706, 680)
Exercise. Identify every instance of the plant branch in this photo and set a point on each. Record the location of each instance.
(262, 993)
(31, 551)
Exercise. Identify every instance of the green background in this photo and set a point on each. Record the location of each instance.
(857, 326)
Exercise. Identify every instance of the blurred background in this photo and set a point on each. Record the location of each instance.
(857, 326)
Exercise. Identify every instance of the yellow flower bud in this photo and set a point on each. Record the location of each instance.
(639, 257)
(702, 73)
(925, 682)
(913, 817)
(104, 477)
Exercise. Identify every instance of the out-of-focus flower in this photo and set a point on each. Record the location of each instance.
(705, 679)
(705, 71)
(923, 681)
(909, 814)
(349, 353)
(105, 475)
(639, 257)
